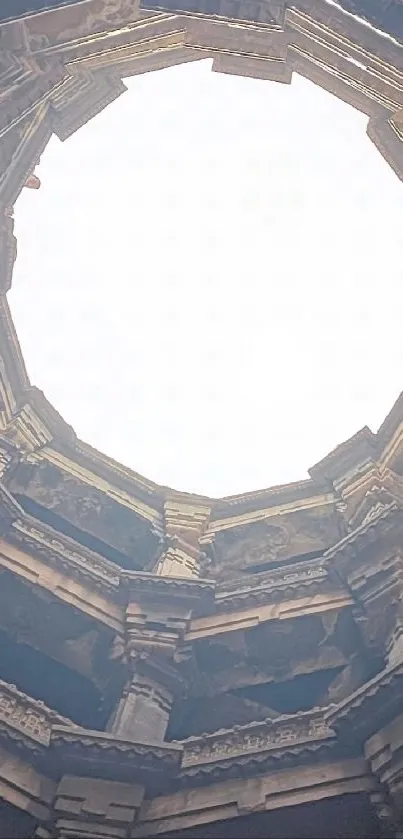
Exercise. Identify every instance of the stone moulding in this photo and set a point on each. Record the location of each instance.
(63, 552)
(147, 585)
(276, 585)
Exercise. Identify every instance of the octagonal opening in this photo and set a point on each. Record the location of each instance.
(207, 286)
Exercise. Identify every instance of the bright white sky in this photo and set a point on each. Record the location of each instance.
(209, 281)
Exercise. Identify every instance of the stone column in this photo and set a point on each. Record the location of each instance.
(142, 713)
(185, 523)
(158, 614)
(105, 775)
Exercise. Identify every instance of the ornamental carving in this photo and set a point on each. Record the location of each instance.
(273, 539)
(24, 714)
(90, 510)
(256, 737)
(86, 564)
(277, 584)
(250, 545)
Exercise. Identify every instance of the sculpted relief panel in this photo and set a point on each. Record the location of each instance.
(87, 509)
(276, 539)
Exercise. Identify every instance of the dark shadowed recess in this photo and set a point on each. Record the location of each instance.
(61, 525)
(282, 563)
(203, 715)
(64, 690)
(301, 693)
(14, 823)
(344, 817)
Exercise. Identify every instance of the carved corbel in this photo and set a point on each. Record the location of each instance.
(185, 523)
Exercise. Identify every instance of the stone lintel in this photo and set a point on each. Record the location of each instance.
(145, 587)
(95, 754)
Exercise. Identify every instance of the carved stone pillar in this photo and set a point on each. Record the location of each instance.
(185, 523)
(104, 776)
(142, 713)
(158, 613)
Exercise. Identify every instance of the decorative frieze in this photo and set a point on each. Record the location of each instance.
(30, 718)
(255, 738)
(63, 552)
(299, 580)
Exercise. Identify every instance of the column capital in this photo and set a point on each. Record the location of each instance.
(159, 609)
